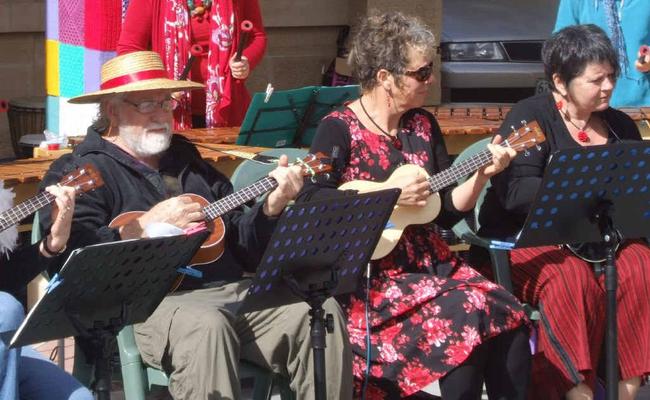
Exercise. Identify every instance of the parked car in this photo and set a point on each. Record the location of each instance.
(491, 49)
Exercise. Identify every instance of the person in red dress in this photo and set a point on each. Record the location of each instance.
(172, 27)
(430, 315)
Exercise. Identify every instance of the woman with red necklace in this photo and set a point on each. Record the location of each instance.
(172, 27)
(582, 66)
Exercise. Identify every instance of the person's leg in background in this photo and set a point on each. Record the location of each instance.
(633, 315)
(11, 317)
(25, 373)
(39, 378)
(465, 382)
(503, 362)
(507, 372)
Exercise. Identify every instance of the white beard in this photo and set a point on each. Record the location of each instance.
(146, 143)
(8, 237)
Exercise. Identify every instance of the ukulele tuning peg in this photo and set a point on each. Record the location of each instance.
(526, 153)
(524, 123)
(538, 147)
(314, 179)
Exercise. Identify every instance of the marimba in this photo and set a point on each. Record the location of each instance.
(25, 175)
(461, 126)
(465, 124)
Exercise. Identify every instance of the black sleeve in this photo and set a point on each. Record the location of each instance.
(92, 210)
(622, 125)
(22, 265)
(449, 214)
(517, 185)
(332, 138)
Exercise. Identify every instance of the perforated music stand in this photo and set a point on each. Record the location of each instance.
(319, 249)
(593, 194)
(100, 289)
(289, 118)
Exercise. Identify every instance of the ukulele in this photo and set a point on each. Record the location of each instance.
(213, 247)
(82, 180)
(527, 136)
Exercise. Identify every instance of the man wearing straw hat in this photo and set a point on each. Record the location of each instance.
(195, 334)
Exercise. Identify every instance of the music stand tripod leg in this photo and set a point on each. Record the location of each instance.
(97, 345)
(320, 325)
(610, 240)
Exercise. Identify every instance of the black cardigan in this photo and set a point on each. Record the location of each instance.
(22, 265)
(508, 200)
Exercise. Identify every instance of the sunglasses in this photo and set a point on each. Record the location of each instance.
(421, 74)
(147, 107)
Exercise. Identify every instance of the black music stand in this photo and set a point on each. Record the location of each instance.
(319, 249)
(593, 194)
(100, 289)
(289, 118)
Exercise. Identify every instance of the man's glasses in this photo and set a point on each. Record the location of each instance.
(147, 107)
(421, 74)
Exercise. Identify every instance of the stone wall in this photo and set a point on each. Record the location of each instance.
(22, 56)
(301, 41)
(302, 37)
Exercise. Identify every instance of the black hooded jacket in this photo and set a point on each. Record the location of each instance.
(130, 185)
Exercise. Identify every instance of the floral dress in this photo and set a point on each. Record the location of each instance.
(427, 309)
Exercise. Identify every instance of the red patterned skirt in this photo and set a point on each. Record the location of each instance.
(572, 303)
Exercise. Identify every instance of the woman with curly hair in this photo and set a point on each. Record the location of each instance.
(430, 315)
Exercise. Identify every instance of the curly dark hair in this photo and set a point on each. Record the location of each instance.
(569, 51)
(382, 41)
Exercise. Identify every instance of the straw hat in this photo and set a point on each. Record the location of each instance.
(134, 72)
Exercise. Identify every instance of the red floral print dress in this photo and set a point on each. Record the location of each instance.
(427, 309)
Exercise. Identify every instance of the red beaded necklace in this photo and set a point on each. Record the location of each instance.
(583, 136)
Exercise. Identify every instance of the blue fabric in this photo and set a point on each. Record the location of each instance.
(11, 315)
(633, 87)
(24, 372)
(613, 18)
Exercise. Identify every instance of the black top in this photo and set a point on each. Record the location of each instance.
(508, 200)
(22, 265)
(130, 185)
(336, 133)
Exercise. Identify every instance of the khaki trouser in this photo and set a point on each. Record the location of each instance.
(198, 339)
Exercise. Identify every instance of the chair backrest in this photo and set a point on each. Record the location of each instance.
(249, 171)
(471, 150)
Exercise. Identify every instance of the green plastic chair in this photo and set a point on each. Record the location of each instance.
(499, 259)
(138, 379)
(249, 171)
